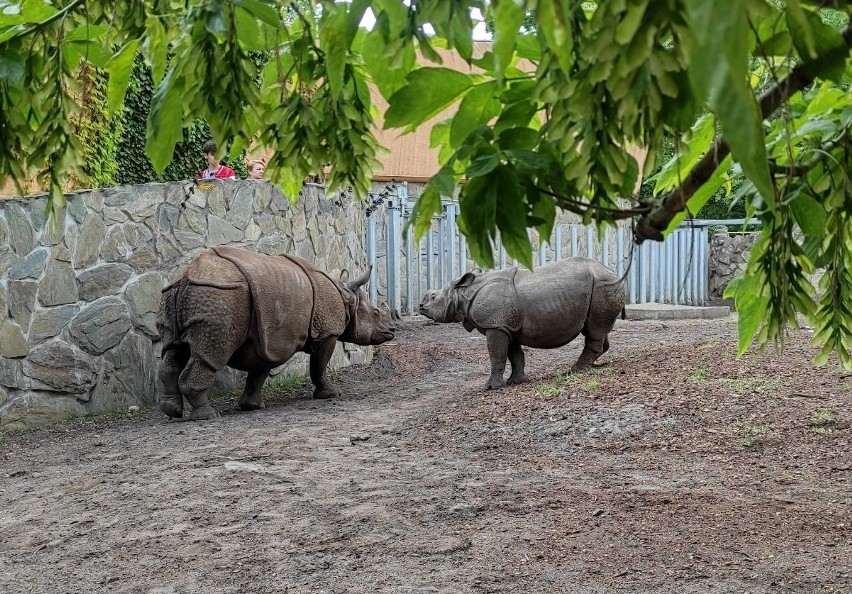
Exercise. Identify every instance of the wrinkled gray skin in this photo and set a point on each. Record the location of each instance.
(208, 319)
(545, 309)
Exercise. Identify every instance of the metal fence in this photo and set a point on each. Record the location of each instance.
(673, 271)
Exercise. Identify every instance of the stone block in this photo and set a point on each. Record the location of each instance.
(31, 265)
(115, 247)
(37, 210)
(216, 201)
(145, 203)
(252, 231)
(8, 258)
(59, 285)
(54, 230)
(220, 232)
(13, 341)
(4, 230)
(60, 367)
(94, 201)
(12, 375)
(78, 209)
(242, 206)
(143, 301)
(21, 300)
(88, 244)
(21, 232)
(102, 280)
(47, 323)
(39, 409)
(100, 325)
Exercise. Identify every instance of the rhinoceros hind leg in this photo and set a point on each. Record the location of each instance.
(498, 350)
(252, 397)
(174, 360)
(516, 358)
(591, 351)
(196, 379)
(320, 357)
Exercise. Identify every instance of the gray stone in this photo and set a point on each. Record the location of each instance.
(188, 240)
(77, 209)
(143, 259)
(39, 409)
(13, 342)
(138, 234)
(306, 250)
(114, 215)
(252, 231)
(115, 247)
(4, 313)
(21, 302)
(12, 374)
(38, 215)
(167, 250)
(8, 258)
(61, 367)
(100, 325)
(280, 202)
(143, 300)
(216, 201)
(59, 285)
(4, 230)
(267, 224)
(102, 280)
(130, 376)
(194, 219)
(242, 206)
(273, 245)
(120, 199)
(88, 245)
(31, 265)
(54, 229)
(21, 232)
(262, 196)
(94, 201)
(145, 204)
(4, 396)
(198, 198)
(300, 226)
(47, 323)
(167, 216)
(220, 232)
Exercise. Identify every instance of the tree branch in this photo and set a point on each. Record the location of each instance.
(52, 18)
(664, 209)
(581, 208)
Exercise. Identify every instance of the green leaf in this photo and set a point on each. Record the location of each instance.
(809, 214)
(158, 48)
(11, 67)
(508, 19)
(333, 43)
(427, 205)
(483, 165)
(165, 121)
(629, 24)
(751, 303)
(119, 67)
(477, 108)
(429, 90)
(516, 115)
(262, 10)
(353, 18)
(820, 46)
(478, 208)
(511, 215)
(528, 47)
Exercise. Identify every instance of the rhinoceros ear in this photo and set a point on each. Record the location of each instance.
(344, 276)
(465, 280)
(362, 280)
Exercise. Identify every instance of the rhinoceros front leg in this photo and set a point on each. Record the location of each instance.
(516, 358)
(320, 357)
(498, 350)
(252, 397)
(171, 402)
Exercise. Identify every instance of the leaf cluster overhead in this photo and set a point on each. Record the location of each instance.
(750, 88)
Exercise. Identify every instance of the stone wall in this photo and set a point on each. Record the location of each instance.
(729, 255)
(78, 300)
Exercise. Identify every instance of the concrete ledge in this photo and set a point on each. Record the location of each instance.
(666, 311)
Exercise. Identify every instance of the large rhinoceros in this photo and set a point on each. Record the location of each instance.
(545, 309)
(253, 312)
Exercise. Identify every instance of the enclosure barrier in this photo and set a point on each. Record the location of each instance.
(672, 271)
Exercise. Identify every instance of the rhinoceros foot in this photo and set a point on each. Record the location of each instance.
(520, 379)
(203, 413)
(495, 383)
(329, 392)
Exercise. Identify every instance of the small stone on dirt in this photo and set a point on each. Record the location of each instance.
(353, 439)
(598, 512)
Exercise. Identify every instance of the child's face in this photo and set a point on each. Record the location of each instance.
(256, 171)
(211, 158)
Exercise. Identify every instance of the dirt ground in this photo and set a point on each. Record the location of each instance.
(674, 468)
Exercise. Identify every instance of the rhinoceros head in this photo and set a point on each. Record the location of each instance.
(444, 305)
(368, 324)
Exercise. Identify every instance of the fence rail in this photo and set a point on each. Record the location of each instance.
(673, 271)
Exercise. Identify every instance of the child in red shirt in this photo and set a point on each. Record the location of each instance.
(214, 169)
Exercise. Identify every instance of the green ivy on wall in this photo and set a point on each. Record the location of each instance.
(98, 133)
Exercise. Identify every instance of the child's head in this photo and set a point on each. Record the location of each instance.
(209, 150)
(256, 169)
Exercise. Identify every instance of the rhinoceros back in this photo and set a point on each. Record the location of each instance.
(282, 301)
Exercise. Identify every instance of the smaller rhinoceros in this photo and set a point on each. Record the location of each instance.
(253, 312)
(546, 309)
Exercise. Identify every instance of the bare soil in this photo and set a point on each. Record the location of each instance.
(673, 468)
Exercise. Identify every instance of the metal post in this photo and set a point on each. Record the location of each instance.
(557, 247)
(429, 262)
(502, 255)
(442, 248)
(371, 258)
(574, 232)
(619, 251)
(542, 251)
(409, 273)
(394, 243)
(652, 271)
(590, 242)
(462, 253)
(451, 240)
(634, 275)
(605, 248)
(643, 272)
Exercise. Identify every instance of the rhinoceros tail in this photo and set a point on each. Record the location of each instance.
(623, 312)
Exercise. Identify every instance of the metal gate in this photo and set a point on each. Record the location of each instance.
(673, 271)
